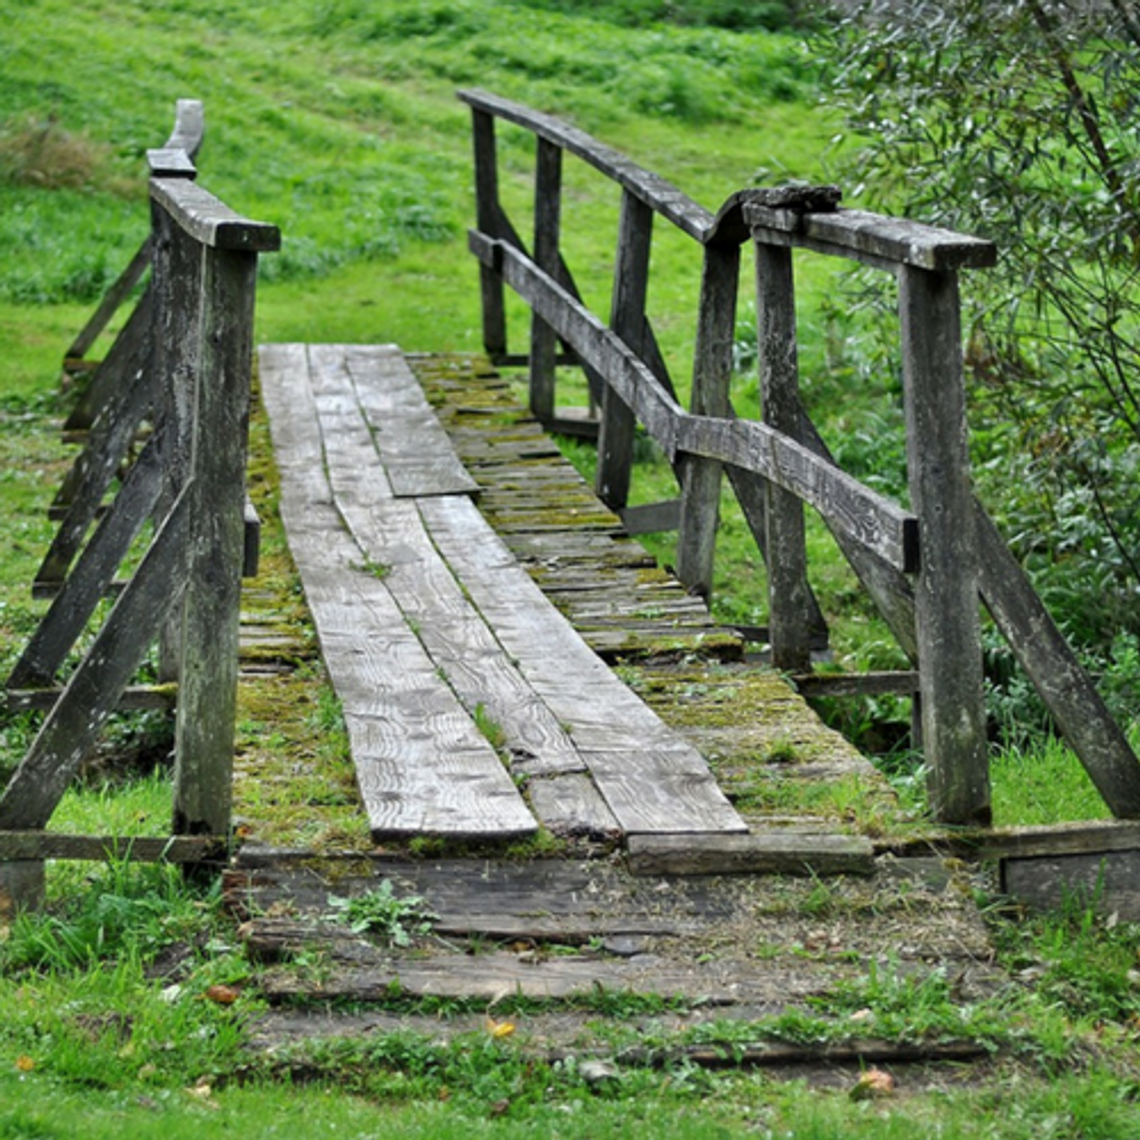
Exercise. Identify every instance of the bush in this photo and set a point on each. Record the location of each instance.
(1015, 122)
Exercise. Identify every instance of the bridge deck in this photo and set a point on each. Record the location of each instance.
(474, 708)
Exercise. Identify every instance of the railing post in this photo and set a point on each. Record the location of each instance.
(627, 319)
(177, 272)
(547, 220)
(210, 612)
(712, 377)
(487, 213)
(789, 597)
(946, 590)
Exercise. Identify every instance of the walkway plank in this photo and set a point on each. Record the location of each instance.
(650, 778)
(422, 766)
(428, 623)
(392, 536)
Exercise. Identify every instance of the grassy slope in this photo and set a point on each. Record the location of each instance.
(342, 127)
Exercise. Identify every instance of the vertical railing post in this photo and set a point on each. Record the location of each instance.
(789, 598)
(627, 319)
(712, 377)
(210, 611)
(487, 214)
(946, 590)
(176, 273)
(547, 222)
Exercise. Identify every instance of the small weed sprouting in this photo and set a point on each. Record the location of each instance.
(489, 728)
(378, 570)
(396, 920)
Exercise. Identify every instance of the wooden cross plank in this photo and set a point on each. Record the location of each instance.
(422, 766)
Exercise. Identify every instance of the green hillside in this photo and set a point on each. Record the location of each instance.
(338, 123)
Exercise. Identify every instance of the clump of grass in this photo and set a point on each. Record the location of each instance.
(38, 151)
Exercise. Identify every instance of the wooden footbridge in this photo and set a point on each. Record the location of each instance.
(472, 652)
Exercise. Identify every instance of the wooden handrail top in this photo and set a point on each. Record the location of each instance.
(189, 127)
(656, 192)
(210, 221)
(859, 234)
(175, 158)
(871, 238)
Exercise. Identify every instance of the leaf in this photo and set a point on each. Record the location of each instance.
(874, 1083)
(223, 995)
(498, 1029)
(24, 1063)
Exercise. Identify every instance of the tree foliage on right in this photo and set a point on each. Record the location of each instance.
(1017, 120)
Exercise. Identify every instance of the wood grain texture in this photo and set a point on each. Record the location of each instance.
(393, 538)
(422, 766)
(648, 776)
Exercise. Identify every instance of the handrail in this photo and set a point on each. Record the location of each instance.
(180, 149)
(926, 568)
(181, 365)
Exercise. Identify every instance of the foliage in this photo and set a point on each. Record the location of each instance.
(1015, 121)
(395, 919)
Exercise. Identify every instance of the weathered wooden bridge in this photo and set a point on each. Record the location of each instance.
(477, 707)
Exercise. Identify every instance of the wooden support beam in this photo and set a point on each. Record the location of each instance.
(946, 590)
(764, 853)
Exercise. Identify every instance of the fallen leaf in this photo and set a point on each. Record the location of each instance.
(499, 1029)
(872, 1084)
(25, 1063)
(223, 995)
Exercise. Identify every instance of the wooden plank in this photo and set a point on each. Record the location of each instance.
(712, 379)
(134, 697)
(656, 192)
(627, 321)
(499, 974)
(788, 590)
(487, 213)
(1066, 689)
(209, 618)
(765, 853)
(597, 345)
(649, 778)
(22, 845)
(392, 536)
(413, 447)
(570, 805)
(209, 221)
(422, 766)
(842, 501)
(873, 238)
(547, 220)
(903, 682)
(1107, 881)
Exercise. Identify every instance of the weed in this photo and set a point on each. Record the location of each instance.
(488, 727)
(394, 919)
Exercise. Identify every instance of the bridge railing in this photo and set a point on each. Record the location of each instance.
(925, 567)
(175, 384)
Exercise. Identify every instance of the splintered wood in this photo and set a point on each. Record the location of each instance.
(472, 705)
